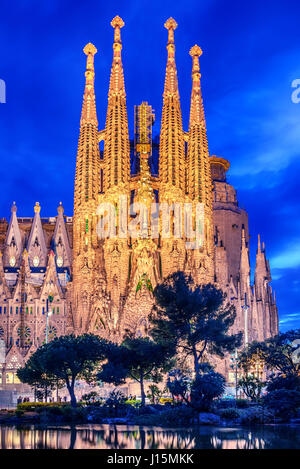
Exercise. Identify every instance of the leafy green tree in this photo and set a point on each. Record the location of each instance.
(290, 381)
(65, 358)
(90, 398)
(251, 386)
(200, 392)
(196, 319)
(279, 353)
(154, 393)
(283, 402)
(137, 358)
(42, 382)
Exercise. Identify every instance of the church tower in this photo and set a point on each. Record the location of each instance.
(171, 166)
(116, 178)
(199, 182)
(87, 182)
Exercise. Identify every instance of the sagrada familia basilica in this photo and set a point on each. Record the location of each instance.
(58, 276)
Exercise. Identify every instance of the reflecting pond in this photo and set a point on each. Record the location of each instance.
(138, 437)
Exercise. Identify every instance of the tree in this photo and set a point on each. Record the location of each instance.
(139, 359)
(279, 353)
(200, 392)
(42, 383)
(196, 319)
(154, 393)
(251, 386)
(284, 402)
(90, 397)
(65, 358)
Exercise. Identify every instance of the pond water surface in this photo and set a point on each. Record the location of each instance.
(137, 437)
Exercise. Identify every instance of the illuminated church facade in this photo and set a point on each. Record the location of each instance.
(58, 276)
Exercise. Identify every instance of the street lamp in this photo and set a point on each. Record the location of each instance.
(48, 313)
(246, 307)
(234, 366)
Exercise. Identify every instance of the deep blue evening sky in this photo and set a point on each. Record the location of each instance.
(251, 56)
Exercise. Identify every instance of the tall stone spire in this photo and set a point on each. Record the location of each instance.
(88, 156)
(199, 182)
(87, 187)
(244, 267)
(116, 144)
(198, 175)
(262, 276)
(172, 145)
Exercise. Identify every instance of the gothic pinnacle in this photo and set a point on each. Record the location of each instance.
(172, 145)
(88, 113)
(197, 111)
(117, 23)
(117, 164)
(170, 25)
(196, 52)
(90, 50)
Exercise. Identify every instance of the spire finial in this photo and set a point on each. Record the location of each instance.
(37, 207)
(196, 51)
(90, 49)
(14, 207)
(60, 209)
(117, 23)
(170, 25)
(88, 113)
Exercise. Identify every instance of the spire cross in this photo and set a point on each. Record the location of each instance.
(170, 25)
(195, 53)
(90, 50)
(37, 207)
(117, 23)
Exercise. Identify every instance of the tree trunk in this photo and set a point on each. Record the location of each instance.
(196, 362)
(72, 393)
(142, 390)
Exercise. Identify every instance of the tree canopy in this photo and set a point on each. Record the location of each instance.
(195, 318)
(66, 359)
(137, 358)
(279, 353)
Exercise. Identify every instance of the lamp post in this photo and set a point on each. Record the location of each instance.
(234, 366)
(246, 320)
(48, 313)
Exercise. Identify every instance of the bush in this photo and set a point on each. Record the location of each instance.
(174, 417)
(38, 406)
(207, 386)
(147, 420)
(230, 403)
(283, 402)
(256, 415)
(133, 403)
(291, 382)
(178, 416)
(242, 403)
(90, 398)
(166, 400)
(230, 413)
(72, 414)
